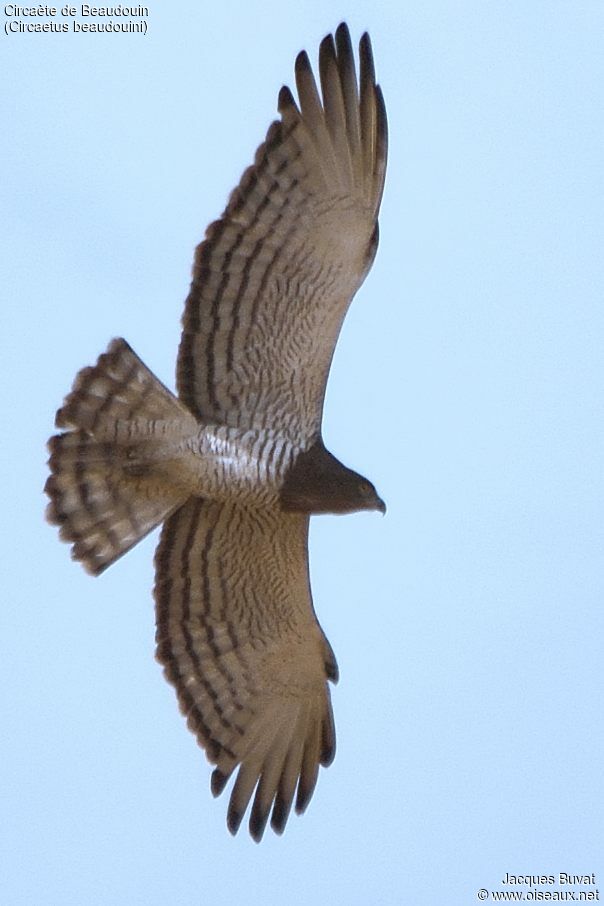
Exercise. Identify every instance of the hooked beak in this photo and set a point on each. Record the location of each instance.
(381, 506)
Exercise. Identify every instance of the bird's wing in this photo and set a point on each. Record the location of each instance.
(275, 275)
(238, 638)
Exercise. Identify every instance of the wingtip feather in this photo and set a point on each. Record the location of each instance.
(218, 782)
(366, 58)
(302, 64)
(342, 32)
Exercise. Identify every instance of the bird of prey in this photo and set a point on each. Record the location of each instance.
(234, 465)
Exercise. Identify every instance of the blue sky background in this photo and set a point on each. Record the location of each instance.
(468, 384)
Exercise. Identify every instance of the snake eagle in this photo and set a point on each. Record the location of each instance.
(234, 465)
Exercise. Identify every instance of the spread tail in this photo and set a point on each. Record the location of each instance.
(110, 481)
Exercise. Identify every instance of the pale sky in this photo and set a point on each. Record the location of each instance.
(467, 385)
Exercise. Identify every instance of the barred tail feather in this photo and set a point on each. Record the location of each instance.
(119, 395)
(106, 492)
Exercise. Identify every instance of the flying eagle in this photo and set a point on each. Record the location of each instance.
(234, 465)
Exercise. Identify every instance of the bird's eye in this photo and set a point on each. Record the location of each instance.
(365, 488)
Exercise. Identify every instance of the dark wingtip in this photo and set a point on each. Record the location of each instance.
(344, 48)
(327, 46)
(257, 824)
(281, 810)
(234, 818)
(285, 100)
(383, 119)
(302, 63)
(306, 788)
(327, 56)
(331, 665)
(366, 55)
(218, 781)
(328, 752)
(303, 797)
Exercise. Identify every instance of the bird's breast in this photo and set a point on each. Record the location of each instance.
(249, 465)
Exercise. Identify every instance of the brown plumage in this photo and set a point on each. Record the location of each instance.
(235, 465)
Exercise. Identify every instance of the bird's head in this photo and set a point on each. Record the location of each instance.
(367, 495)
(319, 483)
